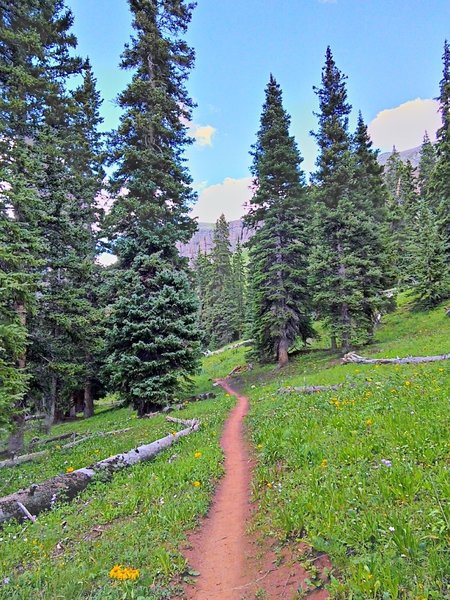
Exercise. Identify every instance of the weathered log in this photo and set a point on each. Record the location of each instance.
(311, 389)
(92, 435)
(40, 497)
(55, 438)
(37, 417)
(204, 396)
(240, 369)
(233, 347)
(351, 357)
(12, 462)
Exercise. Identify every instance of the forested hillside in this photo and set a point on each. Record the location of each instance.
(322, 271)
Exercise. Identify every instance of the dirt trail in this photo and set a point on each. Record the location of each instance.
(220, 547)
(232, 565)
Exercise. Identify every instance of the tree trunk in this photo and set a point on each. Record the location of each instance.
(283, 356)
(16, 438)
(43, 496)
(88, 399)
(333, 343)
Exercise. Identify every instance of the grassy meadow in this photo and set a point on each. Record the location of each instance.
(360, 473)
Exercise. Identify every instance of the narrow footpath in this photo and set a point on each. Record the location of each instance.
(232, 565)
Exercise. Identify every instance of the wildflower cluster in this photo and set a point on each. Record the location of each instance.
(124, 573)
(341, 403)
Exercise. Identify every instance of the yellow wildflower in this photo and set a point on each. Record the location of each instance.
(324, 463)
(70, 470)
(259, 446)
(123, 573)
(369, 422)
(407, 383)
(197, 455)
(269, 485)
(197, 484)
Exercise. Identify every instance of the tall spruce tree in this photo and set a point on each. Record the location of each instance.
(219, 316)
(428, 256)
(239, 294)
(34, 56)
(370, 203)
(153, 337)
(335, 267)
(440, 181)
(278, 251)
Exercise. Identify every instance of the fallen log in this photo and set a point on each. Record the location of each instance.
(19, 460)
(93, 435)
(232, 347)
(352, 357)
(311, 389)
(12, 462)
(37, 417)
(55, 438)
(240, 369)
(43, 496)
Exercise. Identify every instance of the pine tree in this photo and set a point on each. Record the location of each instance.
(219, 316)
(278, 249)
(440, 180)
(401, 209)
(428, 256)
(153, 338)
(202, 276)
(239, 291)
(426, 166)
(33, 47)
(370, 203)
(335, 266)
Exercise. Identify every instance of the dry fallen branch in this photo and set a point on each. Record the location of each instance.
(352, 357)
(12, 462)
(234, 346)
(93, 435)
(39, 497)
(311, 389)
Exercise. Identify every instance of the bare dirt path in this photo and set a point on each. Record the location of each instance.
(220, 547)
(232, 565)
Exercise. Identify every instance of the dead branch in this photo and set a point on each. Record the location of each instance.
(312, 389)
(12, 462)
(93, 435)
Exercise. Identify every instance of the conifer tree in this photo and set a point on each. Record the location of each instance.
(335, 266)
(239, 291)
(278, 250)
(220, 302)
(426, 166)
(34, 55)
(428, 256)
(440, 181)
(202, 275)
(153, 337)
(370, 203)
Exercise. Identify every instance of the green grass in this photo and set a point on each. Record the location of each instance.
(362, 473)
(138, 520)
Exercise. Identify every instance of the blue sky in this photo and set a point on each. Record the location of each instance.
(390, 49)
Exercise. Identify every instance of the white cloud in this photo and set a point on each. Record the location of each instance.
(228, 197)
(202, 134)
(404, 126)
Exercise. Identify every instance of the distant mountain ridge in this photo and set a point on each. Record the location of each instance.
(203, 238)
(412, 154)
